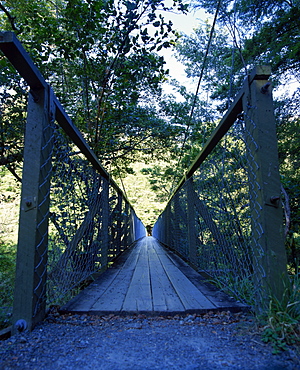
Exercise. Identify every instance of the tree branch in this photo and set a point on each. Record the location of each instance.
(14, 173)
(10, 18)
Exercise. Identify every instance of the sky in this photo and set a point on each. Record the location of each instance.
(183, 23)
(186, 24)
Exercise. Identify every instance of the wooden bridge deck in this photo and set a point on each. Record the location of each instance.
(150, 279)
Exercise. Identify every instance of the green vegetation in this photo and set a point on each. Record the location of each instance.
(9, 206)
(9, 213)
(143, 199)
(270, 36)
(7, 277)
(281, 323)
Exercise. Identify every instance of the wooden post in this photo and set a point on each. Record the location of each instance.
(191, 218)
(105, 223)
(119, 223)
(270, 262)
(176, 232)
(132, 226)
(31, 267)
(167, 226)
(126, 228)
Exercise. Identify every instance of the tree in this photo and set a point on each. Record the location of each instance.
(262, 32)
(100, 57)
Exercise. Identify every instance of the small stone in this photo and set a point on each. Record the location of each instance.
(23, 340)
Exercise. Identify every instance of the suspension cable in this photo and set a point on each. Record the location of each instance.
(197, 90)
(232, 57)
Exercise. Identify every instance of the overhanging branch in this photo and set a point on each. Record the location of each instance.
(10, 18)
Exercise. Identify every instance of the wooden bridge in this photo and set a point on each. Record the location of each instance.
(150, 279)
(225, 216)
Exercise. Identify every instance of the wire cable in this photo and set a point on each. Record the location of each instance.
(197, 90)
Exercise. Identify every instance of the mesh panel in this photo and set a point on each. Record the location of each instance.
(90, 222)
(41, 255)
(219, 199)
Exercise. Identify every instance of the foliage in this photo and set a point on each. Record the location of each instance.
(7, 277)
(282, 320)
(12, 119)
(146, 202)
(216, 81)
(160, 177)
(239, 288)
(270, 35)
(189, 136)
(288, 131)
(101, 59)
(9, 206)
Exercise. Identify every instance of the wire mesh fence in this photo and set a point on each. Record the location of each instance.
(90, 222)
(219, 194)
(83, 221)
(223, 218)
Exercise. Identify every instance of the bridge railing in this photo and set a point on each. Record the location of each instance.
(74, 219)
(225, 217)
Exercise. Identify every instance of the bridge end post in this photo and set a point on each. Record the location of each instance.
(31, 268)
(269, 260)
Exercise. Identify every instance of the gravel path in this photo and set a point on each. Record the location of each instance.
(212, 341)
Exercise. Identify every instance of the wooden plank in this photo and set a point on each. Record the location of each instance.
(86, 299)
(138, 297)
(20, 59)
(220, 299)
(190, 296)
(163, 294)
(113, 297)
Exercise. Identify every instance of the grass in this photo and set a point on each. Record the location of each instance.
(281, 322)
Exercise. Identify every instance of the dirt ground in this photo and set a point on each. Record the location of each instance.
(211, 341)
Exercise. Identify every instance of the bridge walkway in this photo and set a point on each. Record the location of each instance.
(150, 279)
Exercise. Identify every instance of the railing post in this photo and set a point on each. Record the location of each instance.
(168, 227)
(119, 223)
(126, 229)
(132, 226)
(31, 267)
(270, 262)
(105, 223)
(191, 217)
(176, 232)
